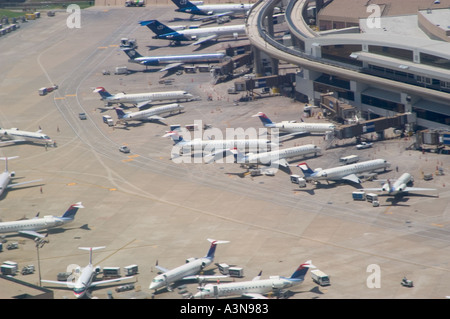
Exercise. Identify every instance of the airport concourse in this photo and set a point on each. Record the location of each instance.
(149, 154)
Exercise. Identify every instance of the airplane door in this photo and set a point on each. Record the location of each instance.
(216, 291)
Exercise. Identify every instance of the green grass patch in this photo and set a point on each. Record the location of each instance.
(11, 13)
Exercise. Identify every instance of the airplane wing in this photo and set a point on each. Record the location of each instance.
(96, 283)
(282, 162)
(217, 155)
(254, 296)
(293, 134)
(215, 16)
(139, 105)
(155, 118)
(418, 189)
(162, 269)
(32, 233)
(22, 183)
(65, 283)
(171, 66)
(205, 39)
(205, 278)
(13, 141)
(352, 178)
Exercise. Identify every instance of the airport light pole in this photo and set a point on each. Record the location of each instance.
(40, 242)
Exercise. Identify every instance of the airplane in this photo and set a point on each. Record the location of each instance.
(142, 99)
(31, 226)
(276, 157)
(189, 270)
(256, 288)
(148, 115)
(84, 277)
(217, 145)
(212, 11)
(173, 61)
(294, 128)
(14, 135)
(399, 186)
(6, 177)
(346, 173)
(199, 35)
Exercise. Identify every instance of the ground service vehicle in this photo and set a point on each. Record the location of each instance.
(320, 278)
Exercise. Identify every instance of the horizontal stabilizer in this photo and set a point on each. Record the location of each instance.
(31, 233)
(23, 183)
(171, 66)
(205, 39)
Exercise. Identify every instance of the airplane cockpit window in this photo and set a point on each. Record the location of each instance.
(157, 280)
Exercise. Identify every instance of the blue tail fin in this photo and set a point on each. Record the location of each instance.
(73, 209)
(301, 271)
(212, 248)
(183, 4)
(120, 112)
(307, 171)
(157, 27)
(132, 53)
(103, 93)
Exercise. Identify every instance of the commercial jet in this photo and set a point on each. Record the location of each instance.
(84, 277)
(399, 186)
(151, 114)
(276, 157)
(173, 61)
(343, 173)
(256, 288)
(142, 99)
(199, 36)
(14, 135)
(6, 177)
(294, 128)
(32, 226)
(218, 146)
(189, 270)
(213, 10)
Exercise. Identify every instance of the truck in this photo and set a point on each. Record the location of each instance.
(28, 269)
(134, 3)
(349, 159)
(320, 278)
(364, 145)
(371, 197)
(359, 196)
(43, 91)
(131, 270)
(108, 120)
(296, 179)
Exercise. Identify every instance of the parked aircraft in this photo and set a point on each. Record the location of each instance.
(173, 61)
(31, 226)
(14, 135)
(212, 10)
(399, 186)
(187, 271)
(149, 114)
(346, 173)
(294, 128)
(199, 35)
(84, 277)
(276, 157)
(217, 146)
(256, 288)
(6, 177)
(142, 99)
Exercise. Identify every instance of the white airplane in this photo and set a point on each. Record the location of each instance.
(84, 277)
(173, 61)
(199, 35)
(276, 157)
(399, 186)
(148, 115)
(294, 128)
(212, 10)
(142, 99)
(14, 135)
(189, 270)
(346, 173)
(218, 145)
(31, 226)
(256, 288)
(6, 177)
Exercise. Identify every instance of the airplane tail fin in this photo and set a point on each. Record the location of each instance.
(183, 4)
(102, 91)
(132, 53)
(238, 156)
(90, 249)
(6, 161)
(175, 136)
(120, 112)
(70, 213)
(157, 27)
(301, 271)
(212, 248)
(307, 171)
(264, 119)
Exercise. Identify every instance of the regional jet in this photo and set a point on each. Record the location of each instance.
(173, 61)
(343, 173)
(399, 186)
(6, 177)
(32, 226)
(151, 114)
(212, 11)
(294, 128)
(84, 277)
(199, 36)
(142, 99)
(14, 135)
(189, 270)
(256, 288)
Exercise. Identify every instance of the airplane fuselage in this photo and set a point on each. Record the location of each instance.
(145, 115)
(241, 144)
(120, 98)
(5, 178)
(269, 157)
(84, 281)
(337, 173)
(304, 127)
(217, 9)
(193, 34)
(189, 58)
(34, 137)
(34, 224)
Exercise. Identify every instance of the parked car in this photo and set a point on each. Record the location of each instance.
(82, 116)
(364, 145)
(124, 149)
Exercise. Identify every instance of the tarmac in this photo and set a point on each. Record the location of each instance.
(145, 208)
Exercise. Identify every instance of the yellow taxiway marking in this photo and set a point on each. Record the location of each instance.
(71, 95)
(102, 47)
(437, 225)
(133, 156)
(71, 184)
(113, 45)
(127, 160)
(112, 189)
(59, 98)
